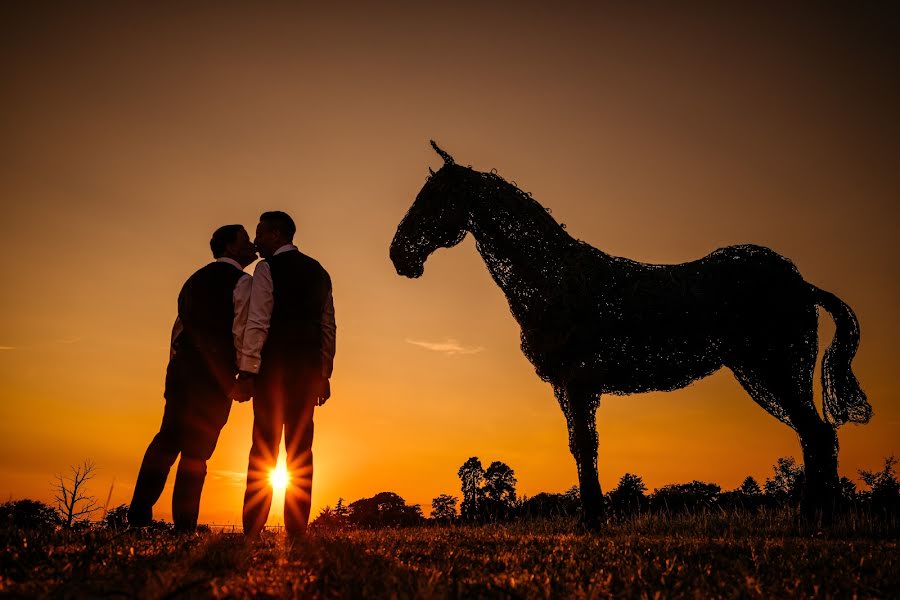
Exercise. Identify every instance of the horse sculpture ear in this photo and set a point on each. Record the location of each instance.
(448, 160)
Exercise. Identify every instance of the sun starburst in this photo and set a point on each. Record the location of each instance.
(278, 477)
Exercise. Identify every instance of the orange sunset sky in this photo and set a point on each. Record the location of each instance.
(129, 134)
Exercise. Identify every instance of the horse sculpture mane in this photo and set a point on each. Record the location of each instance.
(592, 323)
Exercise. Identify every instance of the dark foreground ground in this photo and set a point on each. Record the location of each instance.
(702, 556)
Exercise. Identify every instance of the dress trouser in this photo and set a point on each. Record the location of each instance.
(281, 400)
(194, 415)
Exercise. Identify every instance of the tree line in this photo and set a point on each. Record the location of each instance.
(489, 496)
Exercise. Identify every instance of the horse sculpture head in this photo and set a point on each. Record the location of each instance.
(439, 218)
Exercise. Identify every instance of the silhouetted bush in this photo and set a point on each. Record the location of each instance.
(28, 514)
(549, 506)
(685, 497)
(329, 519)
(884, 489)
(786, 485)
(160, 525)
(386, 509)
(117, 518)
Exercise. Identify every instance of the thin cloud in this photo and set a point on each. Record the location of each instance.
(45, 344)
(449, 347)
(235, 477)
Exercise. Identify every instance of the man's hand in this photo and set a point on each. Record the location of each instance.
(242, 390)
(324, 393)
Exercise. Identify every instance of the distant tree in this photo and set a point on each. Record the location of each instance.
(72, 499)
(747, 496)
(471, 474)
(499, 492)
(573, 493)
(327, 519)
(385, 509)
(28, 514)
(500, 483)
(884, 489)
(333, 518)
(685, 497)
(340, 509)
(750, 487)
(628, 497)
(786, 484)
(117, 518)
(443, 508)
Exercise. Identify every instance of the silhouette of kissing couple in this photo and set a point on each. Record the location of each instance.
(269, 337)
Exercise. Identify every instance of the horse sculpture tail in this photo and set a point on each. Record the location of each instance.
(842, 398)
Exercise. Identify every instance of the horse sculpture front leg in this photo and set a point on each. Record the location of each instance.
(580, 408)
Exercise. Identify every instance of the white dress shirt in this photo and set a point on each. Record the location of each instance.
(241, 298)
(259, 318)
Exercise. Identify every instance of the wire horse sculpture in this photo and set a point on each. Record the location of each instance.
(597, 324)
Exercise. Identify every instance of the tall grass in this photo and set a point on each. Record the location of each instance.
(709, 554)
(778, 522)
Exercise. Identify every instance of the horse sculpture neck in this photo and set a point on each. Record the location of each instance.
(526, 251)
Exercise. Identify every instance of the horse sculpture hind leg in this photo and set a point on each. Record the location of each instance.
(780, 379)
(580, 408)
(820, 453)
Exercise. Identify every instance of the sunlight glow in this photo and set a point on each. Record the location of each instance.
(278, 477)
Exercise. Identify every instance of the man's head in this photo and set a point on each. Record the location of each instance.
(232, 241)
(275, 229)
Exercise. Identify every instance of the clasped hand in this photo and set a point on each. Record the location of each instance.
(242, 389)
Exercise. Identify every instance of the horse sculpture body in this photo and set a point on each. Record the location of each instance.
(597, 324)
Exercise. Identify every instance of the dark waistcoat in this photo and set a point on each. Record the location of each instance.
(300, 287)
(205, 348)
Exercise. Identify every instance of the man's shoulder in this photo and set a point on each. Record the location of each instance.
(215, 271)
(199, 272)
(315, 264)
(297, 257)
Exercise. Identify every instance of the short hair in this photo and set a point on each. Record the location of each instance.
(281, 221)
(221, 237)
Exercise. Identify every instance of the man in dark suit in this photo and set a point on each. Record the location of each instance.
(286, 361)
(206, 341)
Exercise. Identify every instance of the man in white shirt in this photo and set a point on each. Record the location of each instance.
(206, 341)
(287, 360)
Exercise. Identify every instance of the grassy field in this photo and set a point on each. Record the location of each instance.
(765, 556)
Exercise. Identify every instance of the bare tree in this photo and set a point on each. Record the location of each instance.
(72, 500)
